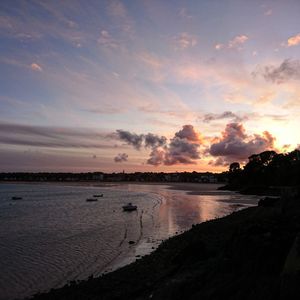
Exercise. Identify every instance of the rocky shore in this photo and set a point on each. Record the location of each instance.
(250, 254)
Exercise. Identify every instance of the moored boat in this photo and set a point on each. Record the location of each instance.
(129, 207)
(91, 199)
(98, 195)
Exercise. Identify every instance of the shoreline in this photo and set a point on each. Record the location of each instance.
(241, 256)
(190, 187)
(131, 256)
(141, 247)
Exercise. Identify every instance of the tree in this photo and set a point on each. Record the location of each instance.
(234, 167)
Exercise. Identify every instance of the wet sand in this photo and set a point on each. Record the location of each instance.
(244, 255)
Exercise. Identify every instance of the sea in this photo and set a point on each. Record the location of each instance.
(53, 235)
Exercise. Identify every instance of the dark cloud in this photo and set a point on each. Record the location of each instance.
(287, 70)
(220, 161)
(52, 137)
(121, 157)
(225, 115)
(235, 144)
(182, 149)
(156, 143)
(132, 139)
(148, 140)
(157, 156)
(152, 140)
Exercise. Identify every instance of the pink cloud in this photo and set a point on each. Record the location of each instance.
(36, 67)
(236, 145)
(235, 43)
(293, 40)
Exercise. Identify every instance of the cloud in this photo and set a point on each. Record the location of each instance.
(293, 40)
(18, 63)
(235, 43)
(287, 70)
(279, 118)
(237, 118)
(107, 41)
(36, 67)
(225, 115)
(236, 145)
(150, 60)
(220, 161)
(51, 137)
(188, 132)
(182, 149)
(219, 46)
(21, 25)
(132, 139)
(185, 41)
(152, 140)
(148, 140)
(157, 156)
(121, 157)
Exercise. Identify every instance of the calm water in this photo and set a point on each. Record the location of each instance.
(53, 235)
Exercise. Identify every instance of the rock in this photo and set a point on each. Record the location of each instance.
(268, 201)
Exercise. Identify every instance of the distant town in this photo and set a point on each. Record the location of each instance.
(196, 177)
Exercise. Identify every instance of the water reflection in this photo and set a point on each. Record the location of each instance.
(180, 209)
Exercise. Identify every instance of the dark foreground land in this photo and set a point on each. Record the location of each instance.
(251, 254)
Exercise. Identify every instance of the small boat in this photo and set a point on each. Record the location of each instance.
(129, 207)
(98, 195)
(91, 199)
(16, 198)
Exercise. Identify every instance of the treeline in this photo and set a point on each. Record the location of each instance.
(49, 176)
(206, 177)
(266, 169)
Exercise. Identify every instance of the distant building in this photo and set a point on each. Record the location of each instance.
(99, 177)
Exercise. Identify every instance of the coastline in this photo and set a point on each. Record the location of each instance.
(242, 255)
(140, 247)
(190, 187)
(133, 254)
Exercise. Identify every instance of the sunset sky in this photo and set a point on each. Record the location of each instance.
(147, 85)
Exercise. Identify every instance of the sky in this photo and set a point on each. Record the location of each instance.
(147, 85)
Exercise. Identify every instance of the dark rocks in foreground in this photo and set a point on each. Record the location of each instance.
(253, 190)
(268, 201)
(251, 254)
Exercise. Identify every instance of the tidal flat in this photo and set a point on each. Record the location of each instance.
(249, 254)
